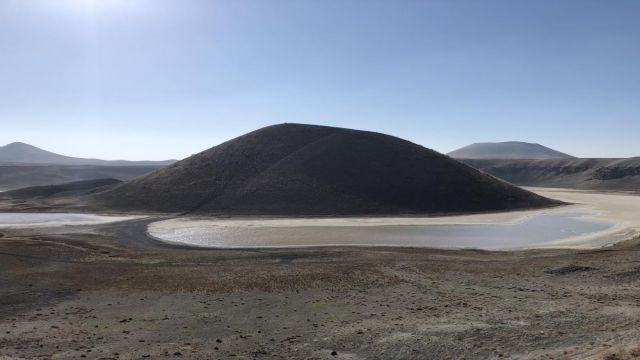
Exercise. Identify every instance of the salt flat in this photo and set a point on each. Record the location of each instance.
(29, 220)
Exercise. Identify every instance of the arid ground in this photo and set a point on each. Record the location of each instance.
(109, 292)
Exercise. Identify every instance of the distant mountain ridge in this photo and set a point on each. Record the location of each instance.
(18, 152)
(586, 174)
(508, 150)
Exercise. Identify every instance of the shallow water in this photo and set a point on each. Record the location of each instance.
(531, 231)
(12, 220)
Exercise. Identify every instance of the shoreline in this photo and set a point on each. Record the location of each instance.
(101, 290)
(107, 289)
(620, 231)
(598, 209)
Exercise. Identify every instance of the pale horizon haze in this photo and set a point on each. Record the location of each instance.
(164, 79)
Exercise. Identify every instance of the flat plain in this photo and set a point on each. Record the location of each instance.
(108, 291)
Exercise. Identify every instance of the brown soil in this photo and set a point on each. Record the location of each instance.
(108, 292)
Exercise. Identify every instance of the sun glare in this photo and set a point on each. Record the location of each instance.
(93, 6)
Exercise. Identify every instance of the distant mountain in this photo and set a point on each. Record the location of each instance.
(296, 169)
(507, 150)
(18, 152)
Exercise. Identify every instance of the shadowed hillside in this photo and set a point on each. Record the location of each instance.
(72, 188)
(304, 169)
(507, 150)
(16, 176)
(588, 174)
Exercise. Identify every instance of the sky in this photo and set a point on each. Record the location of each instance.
(160, 79)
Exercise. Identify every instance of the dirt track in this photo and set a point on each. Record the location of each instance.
(109, 292)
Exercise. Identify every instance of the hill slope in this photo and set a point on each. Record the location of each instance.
(507, 150)
(71, 188)
(18, 152)
(15, 176)
(587, 174)
(298, 169)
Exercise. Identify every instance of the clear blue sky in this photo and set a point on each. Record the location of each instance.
(155, 79)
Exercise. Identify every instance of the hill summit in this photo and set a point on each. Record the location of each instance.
(507, 150)
(295, 169)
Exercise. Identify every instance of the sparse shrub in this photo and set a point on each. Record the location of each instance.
(613, 357)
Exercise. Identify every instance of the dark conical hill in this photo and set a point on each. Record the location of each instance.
(294, 169)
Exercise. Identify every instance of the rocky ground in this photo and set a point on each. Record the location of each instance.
(108, 292)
